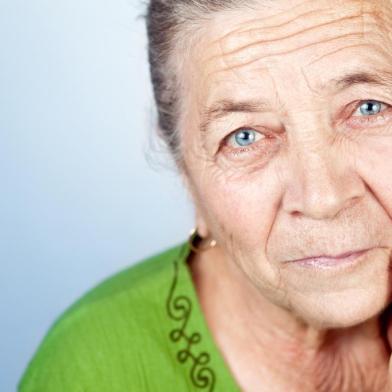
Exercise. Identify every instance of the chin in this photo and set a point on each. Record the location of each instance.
(341, 310)
(340, 297)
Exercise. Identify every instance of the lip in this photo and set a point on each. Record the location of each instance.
(330, 261)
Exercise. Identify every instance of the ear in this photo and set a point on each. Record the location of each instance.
(200, 222)
(201, 225)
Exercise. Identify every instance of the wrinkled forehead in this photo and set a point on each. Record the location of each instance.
(290, 38)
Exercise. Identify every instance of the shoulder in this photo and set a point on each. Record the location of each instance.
(135, 283)
(88, 339)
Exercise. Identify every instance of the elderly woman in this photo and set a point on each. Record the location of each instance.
(279, 116)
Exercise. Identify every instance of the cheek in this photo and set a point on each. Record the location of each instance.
(240, 215)
(242, 210)
(374, 162)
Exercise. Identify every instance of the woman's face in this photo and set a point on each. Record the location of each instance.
(287, 143)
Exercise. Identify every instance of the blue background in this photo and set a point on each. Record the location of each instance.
(85, 189)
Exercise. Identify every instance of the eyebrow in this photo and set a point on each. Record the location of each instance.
(226, 107)
(382, 78)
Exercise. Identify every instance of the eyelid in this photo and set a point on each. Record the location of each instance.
(360, 103)
(385, 107)
(243, 128)
(348, 116)
(358, 120)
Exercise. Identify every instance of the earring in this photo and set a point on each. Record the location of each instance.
(195, 242)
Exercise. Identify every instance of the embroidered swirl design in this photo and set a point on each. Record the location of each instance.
(179, 309)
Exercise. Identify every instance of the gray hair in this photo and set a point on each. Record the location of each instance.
(169, 22)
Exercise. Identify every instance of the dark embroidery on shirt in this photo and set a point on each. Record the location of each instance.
(179, 308)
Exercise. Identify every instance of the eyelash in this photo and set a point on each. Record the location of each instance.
(356, 123)
(370, 119)
(241, 150)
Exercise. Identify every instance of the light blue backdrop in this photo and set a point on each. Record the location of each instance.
(82, 193)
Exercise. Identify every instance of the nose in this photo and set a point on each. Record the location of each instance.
(321, 182)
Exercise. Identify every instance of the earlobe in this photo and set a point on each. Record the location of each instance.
(201, 226)
(200, 223)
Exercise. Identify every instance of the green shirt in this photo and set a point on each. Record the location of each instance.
(140, 330)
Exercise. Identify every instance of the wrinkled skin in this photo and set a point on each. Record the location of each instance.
(316, 180)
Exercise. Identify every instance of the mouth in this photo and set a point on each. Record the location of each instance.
(331, 261)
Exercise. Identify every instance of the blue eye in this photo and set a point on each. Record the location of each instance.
(244, 137)
(370, 108)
